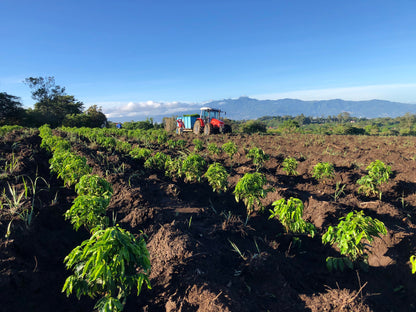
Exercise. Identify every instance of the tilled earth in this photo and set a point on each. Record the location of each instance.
(204, 255)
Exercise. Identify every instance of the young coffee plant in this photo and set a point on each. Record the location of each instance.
(230, 149)
(157, 161)
(250, 189)
(290, 165)
(213, 149)
(110, 264)
(217, 177)
(198, 145)
(140, 153)
(69, 167)
(173, 167)
(349, 236)
(94, 185)
(378, 173)
(193, 167)
(413, 262)
(323, 170)
(258, 156)
(290, 215)
(88, 211)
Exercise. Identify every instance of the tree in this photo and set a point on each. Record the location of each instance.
(53, 104)
(93, 117)
(11, 111)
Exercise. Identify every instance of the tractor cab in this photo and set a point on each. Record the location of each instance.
(207, 114)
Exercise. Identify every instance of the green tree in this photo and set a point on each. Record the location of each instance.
(253, 126)
(53, 104)
(11, 111)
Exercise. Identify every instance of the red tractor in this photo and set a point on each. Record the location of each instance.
(209, 122)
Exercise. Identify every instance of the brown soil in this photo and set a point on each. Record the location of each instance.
(190, 230)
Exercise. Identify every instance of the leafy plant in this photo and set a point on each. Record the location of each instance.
(413, 262)
(217, 177)
(193, 167)
(198, 145)
(349, 236)
(70, 167)
(258, 156)
(109, 264)
(230, 148)
(157, 161)
(140, 153)
(88, 211)
(339, 190)
(173, 167)
(378, 173)
(181, 144)
(323, 170)
(290, 165)
(250, 189)
(94, 185)
(290, 215)
(213, 149)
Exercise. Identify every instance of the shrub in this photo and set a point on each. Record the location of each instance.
(217, 177)
(349, 236)
(258, 156)
(253, 126)
(250, 189)
(324, 170)
(109, 264)
(290, 165)
(290, 215)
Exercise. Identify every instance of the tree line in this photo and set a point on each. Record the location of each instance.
(53, 106)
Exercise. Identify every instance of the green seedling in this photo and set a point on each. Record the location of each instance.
(290, 165)
(290, 215)
(322, 171)
(350, 235)
(110, 264)
(217, 177)
(258, 156)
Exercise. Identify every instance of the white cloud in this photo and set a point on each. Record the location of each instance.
(141, 110)
(405, 93)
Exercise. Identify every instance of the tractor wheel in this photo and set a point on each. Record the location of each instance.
(208, 129)
(226, 129)
(197, 127)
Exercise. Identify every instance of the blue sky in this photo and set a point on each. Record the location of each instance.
(123, 55)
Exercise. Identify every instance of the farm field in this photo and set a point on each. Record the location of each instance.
(205, 253)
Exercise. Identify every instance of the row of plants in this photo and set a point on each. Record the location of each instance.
(112, 262)
(250, 189)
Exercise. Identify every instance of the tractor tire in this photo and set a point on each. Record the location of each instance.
(226, 129)
(197, 127)
(208, 129)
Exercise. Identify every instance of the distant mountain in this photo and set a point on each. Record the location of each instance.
(249, 108)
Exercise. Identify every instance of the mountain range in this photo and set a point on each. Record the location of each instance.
(245, 108)
(249, 108)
